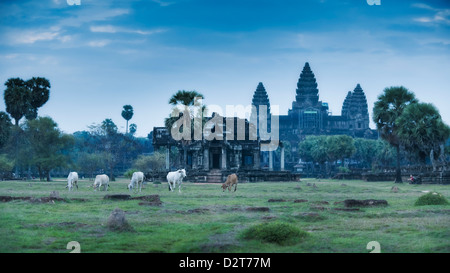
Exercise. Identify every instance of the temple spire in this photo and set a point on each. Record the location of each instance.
(260, 96)
(307, 92)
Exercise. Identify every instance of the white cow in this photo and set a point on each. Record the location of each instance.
(72, 180)
(136, 181)
(174, 178)
(101, 180)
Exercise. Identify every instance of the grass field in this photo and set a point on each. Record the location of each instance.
(202, 218)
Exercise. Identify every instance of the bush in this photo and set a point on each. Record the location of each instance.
(275, 232)
(128, 174)
(432, 198)
(343, 169)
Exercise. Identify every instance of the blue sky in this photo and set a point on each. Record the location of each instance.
(102, 54)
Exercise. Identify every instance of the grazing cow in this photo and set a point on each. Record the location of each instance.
(232, 179)
(136, 181)
(101, 180)
(174, 178)
(72, 180)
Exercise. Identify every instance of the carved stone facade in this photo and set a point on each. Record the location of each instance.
(308, 116)
(232, 152)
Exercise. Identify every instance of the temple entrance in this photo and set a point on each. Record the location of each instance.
(215, 157)
(216, 161)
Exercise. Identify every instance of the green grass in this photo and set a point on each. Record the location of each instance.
(202, 218)
(274, 232)
(432, 198)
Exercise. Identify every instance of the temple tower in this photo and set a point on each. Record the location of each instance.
(355, 109)
(260, 98)
(307, 92)
(308, 114)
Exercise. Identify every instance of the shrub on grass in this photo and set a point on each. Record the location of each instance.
(129, 173)
(274, 232)
(431, 198)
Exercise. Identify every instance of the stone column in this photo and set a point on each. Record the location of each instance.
(282, 158)
(168, 158)
(256, 160)
(194, 159)
(224, 158)
(206, 159)
(237, 158)
(270, 161)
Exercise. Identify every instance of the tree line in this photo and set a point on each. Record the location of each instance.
(411, 132)
(35, 146)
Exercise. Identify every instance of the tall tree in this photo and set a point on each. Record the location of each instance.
(340, 147)
(5, 128)
(127, 114)
(48, 145)
(133, 128)
(23, 98)
(387, 109)
(17, 98)
(186, 99)
(89, 163)
(40, 93)
(365, 152)
(421, 128)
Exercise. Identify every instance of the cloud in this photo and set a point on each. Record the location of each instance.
(98, 43)
(105, 29)
(439, 16)
(114, 29)
(30, 37)
(93, 15)
(163, 3)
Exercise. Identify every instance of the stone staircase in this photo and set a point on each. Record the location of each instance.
(214, 176)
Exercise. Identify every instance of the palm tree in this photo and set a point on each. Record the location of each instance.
(17, 98)
(127, 114)
(40, 93)
(421, 129)
(23, 98)
(386, 111)
(186, 99)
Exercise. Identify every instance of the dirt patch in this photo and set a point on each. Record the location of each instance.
(149, 200)
(276, 200)
(364, 203)
(346, 209)
(79, 199)
(31, 199)
(191, 211)
(309, 216)
(321, 203)
(300, 200)
(151, 204)
(318, 208)
(62, 224)
(117, 196)
(44, 199)
(256, 209)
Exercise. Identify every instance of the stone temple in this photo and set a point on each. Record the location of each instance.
(308, 116)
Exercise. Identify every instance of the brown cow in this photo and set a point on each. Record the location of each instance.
(232, 179)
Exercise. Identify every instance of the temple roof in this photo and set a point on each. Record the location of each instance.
(260, 96)
(307, 91)
(355, 102)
